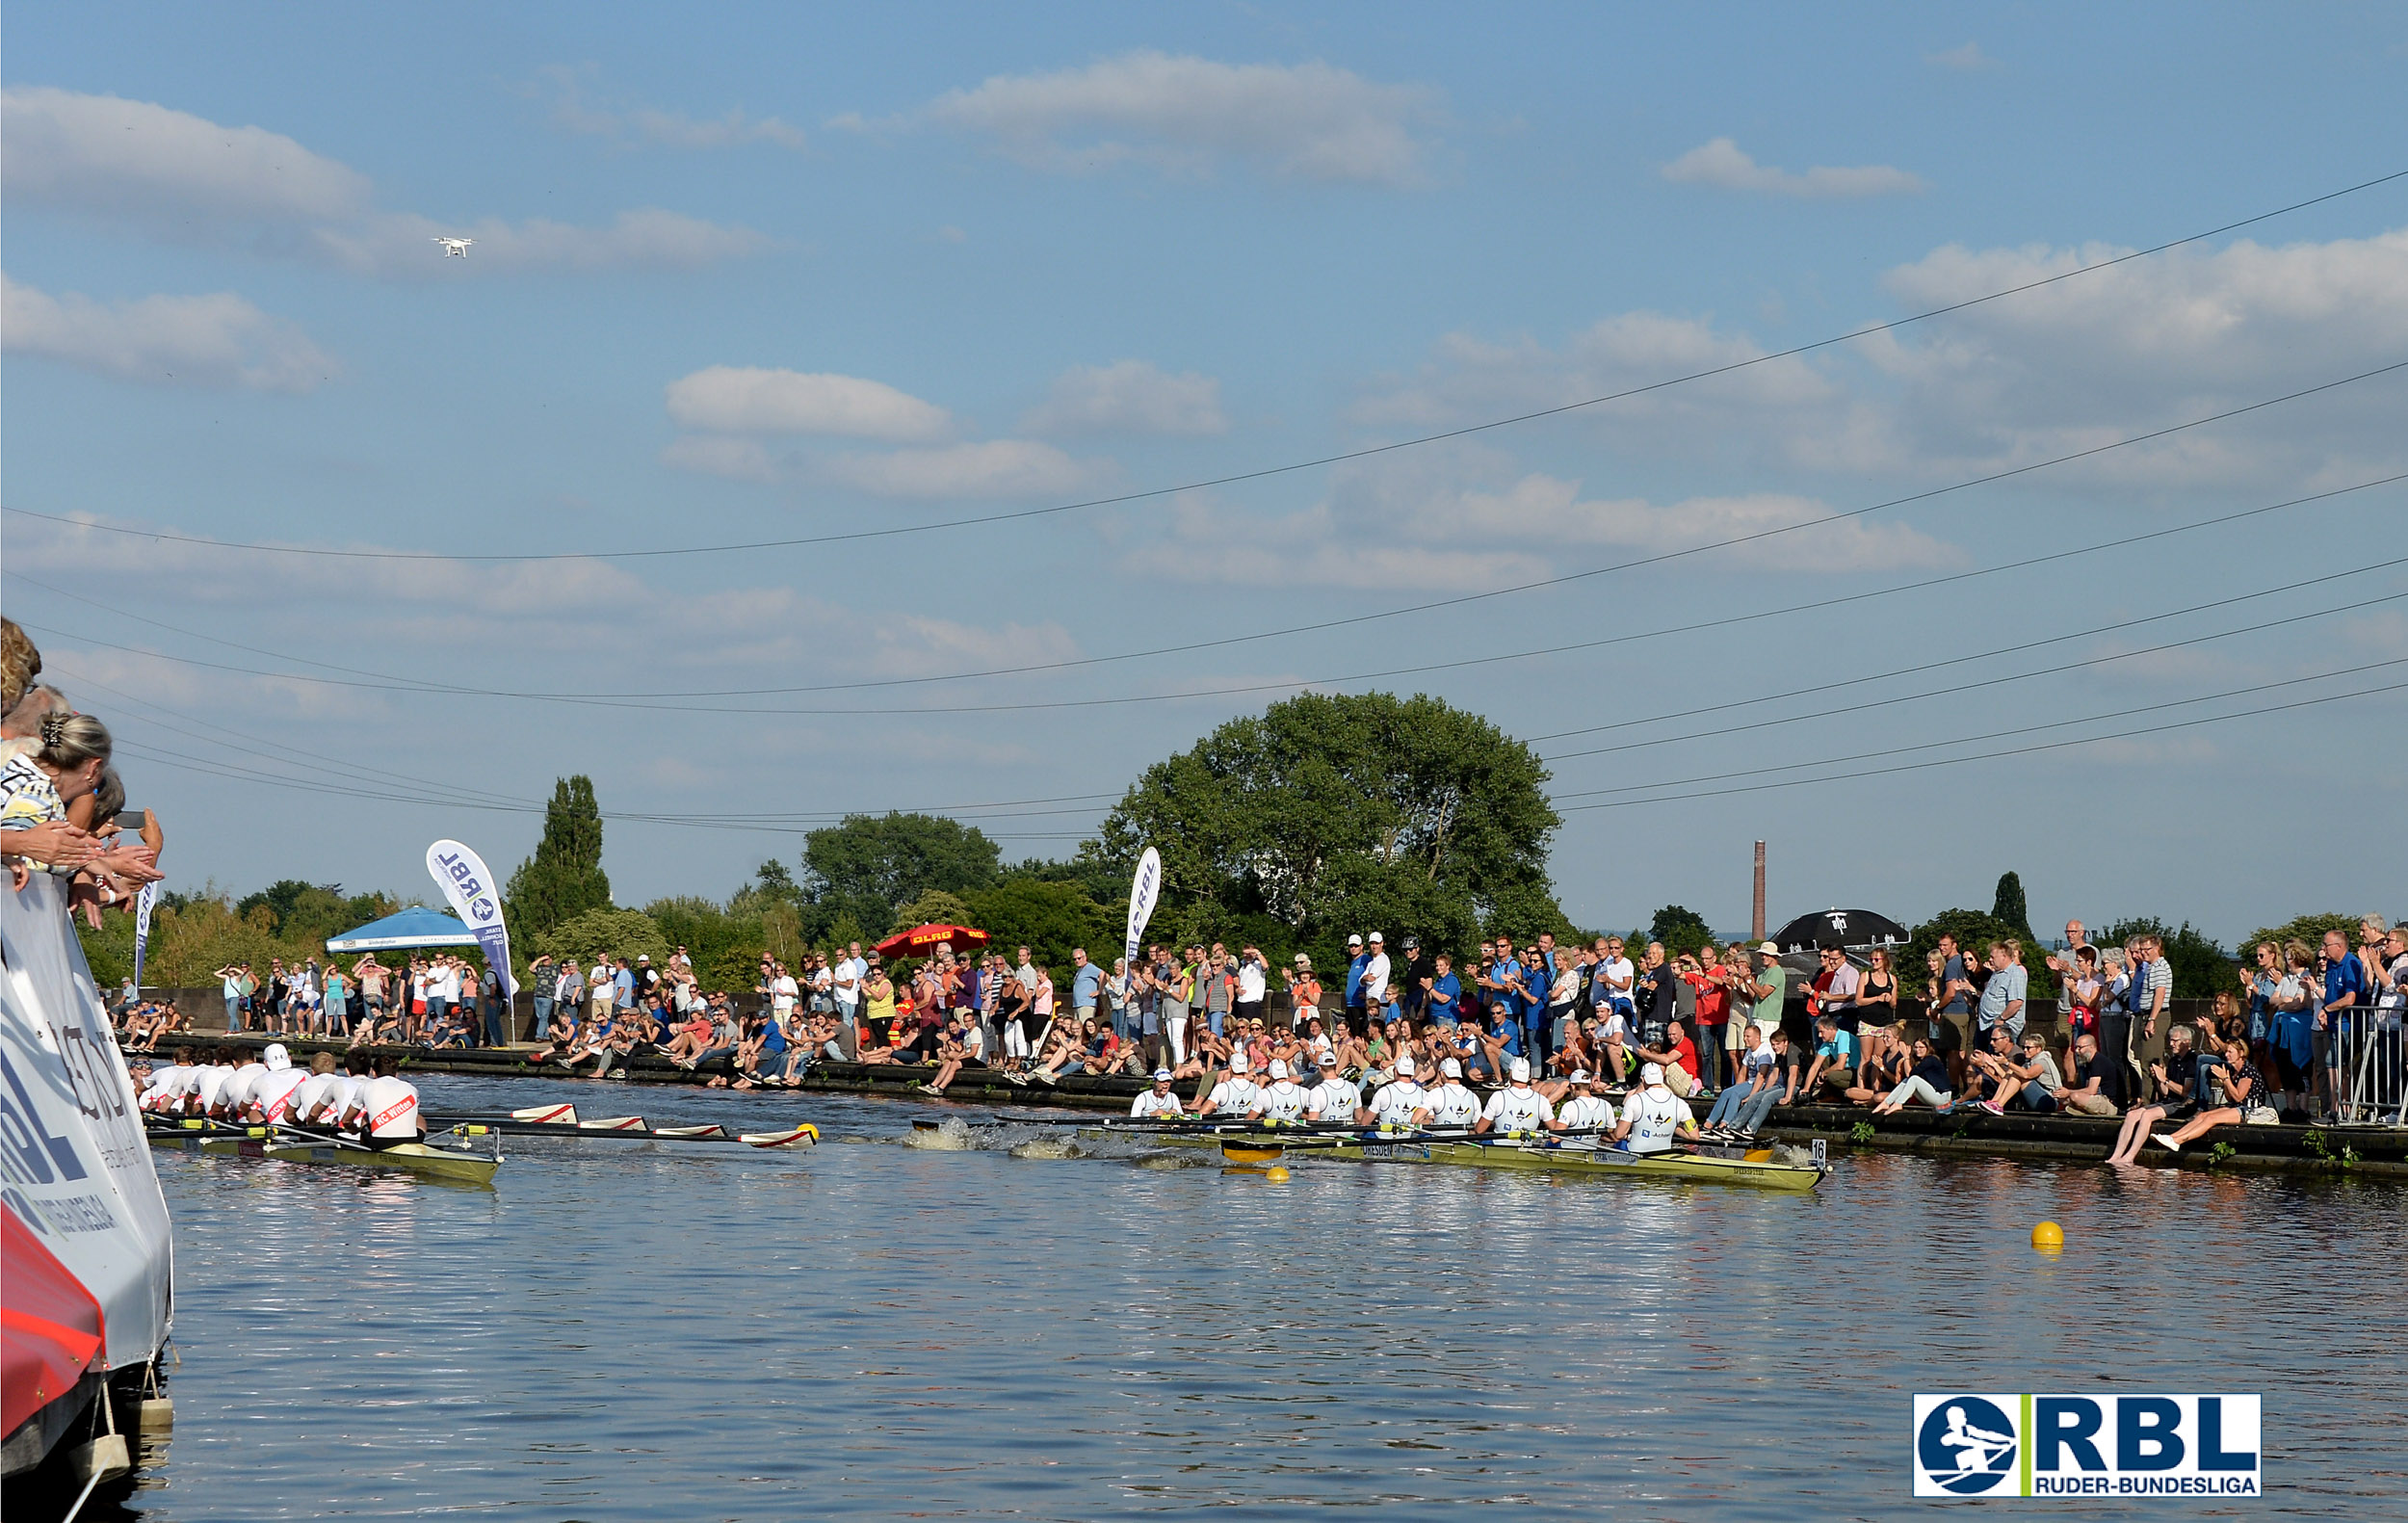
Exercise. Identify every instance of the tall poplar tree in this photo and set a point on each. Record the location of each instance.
(565, 877)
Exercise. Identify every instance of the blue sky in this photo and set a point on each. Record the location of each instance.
(766, 274)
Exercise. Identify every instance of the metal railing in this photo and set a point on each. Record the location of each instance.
(2370, 1080)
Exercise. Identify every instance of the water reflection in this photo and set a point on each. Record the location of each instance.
(631, 1331)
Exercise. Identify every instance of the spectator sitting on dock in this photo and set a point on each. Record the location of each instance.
(2029, 1081)
(2084, 1090)
(2171, 1080)
(1756, 1075)
(1928, 1082)
(2241, 1099)
(1835, 1057)
(1883, 1069)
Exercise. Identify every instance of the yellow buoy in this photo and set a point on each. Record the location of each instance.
(2047, 1237)
(1276, 1175)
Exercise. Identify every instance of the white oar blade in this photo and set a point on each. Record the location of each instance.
(547, 1115)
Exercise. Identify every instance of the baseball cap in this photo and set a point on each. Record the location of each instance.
(275, 1058)
(1578, 1076)
(1519, 1070)
(1412, 943)
(1377, 936)
(1653, 1073)
(1355, 940)
(1451, 1068)
(1772, 947)
(643, 956)
(1279, 1068)
(1237, 1061)
(1405, 1064)
(1162, 1076)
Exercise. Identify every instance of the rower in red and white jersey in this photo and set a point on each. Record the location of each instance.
(272, 1093)
(206, 1090)
(233, 1097)
(168, 1081)
(313, 1101)
(386, 1110)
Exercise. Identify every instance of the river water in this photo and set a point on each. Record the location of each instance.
(636, 1331)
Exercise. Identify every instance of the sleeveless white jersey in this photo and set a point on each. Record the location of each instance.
(1333, 1100)
(1517, 1109)
(272, 1093)
(316, 1091)
(1396, 1102)
(1149, 1105)
(1281, 1100)
(1655, 1116)
(1451, 1104)
(391, 1106)
(1584, 1112)
(1235, 1095)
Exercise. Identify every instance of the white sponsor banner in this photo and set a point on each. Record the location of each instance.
(144, 903)
(472, 892)
(1143, 890)
(2124, 1444)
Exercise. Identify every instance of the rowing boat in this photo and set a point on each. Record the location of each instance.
(1761, 1172)
(453, 1165)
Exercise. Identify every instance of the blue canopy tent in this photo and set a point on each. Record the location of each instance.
(414, 927)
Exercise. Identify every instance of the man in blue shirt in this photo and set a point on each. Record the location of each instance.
(1537, 978)
(1443, 998)
(2346, 990)
(1358, 1020)
(1501, 984)
(1087, 982)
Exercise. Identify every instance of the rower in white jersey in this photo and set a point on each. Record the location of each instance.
(1400, 1104)
(1236, 1095)
(1335, 1099)
(1280, 1102)
(1160, 1102)
(1517, 1109)
(320, 1091)
(233, 1101)
(272, 1093)
(1654, 1116)
(168, 1082)
(386, 1111)
(1450, 1105)
(1581, 1111)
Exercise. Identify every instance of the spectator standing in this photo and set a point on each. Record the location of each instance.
(497, 1008)
(2066, 964)
(2346, 992)
(1358, 1020)
(1304, 992)
(1767, 989)
(1253, 981)
(1376, 992)
(2003, 997)
(1087, 986)
(543, 988)
(1953, 999)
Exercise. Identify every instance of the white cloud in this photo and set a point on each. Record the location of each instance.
(992, 468)
(184, 177)
(1968, 58)
(1130, 397)
(102, 154)
(1722, 162)
(214, 340)
(732, 398)
(719, 455)
(1185, 114)
(563, 87)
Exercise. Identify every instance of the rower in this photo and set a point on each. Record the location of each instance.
(1160, 1102)
(1581, 1110)
(233, 1100)
(1280, 1102)
(1451, 1105)
(209, 1085)
(272, 1093)
(168, 1082)
(1400, 1104)
(315, 1103)
(1654, 1116)
(386, 1110)
(1236, 1095)
(1334, 1099)
(1517, 1109)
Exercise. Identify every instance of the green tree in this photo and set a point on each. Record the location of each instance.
(870, 866)
(565, 877)
(607, 933)
(2202, 969)
(1974, 932)
(2309, 928)
(1048, 918)
(936, 908)
(2007, 904)
(1288, 815)
(1679, 930)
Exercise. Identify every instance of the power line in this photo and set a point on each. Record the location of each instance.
(1984, 655)
(1969, 740)
(599, 701)
(2020, 750)
(420, 685)
(1366, 453)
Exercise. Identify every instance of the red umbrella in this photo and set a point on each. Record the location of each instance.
(920, 940)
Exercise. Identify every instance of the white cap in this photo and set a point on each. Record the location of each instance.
(1355, 940)
(1377, 936)
(1237, 1061)
(1279, 1068)
(1162, 1076)
(1519, 1070)
(1653, 1073)
(1578, 1076)
(1404, 1067)
(1451, 1068)
(277, 1058)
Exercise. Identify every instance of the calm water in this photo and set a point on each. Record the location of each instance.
(622, 1330)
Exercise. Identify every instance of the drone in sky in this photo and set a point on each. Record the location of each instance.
(455, 247)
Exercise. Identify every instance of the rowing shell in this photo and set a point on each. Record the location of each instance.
(448, 1164)
(1706, 1167)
